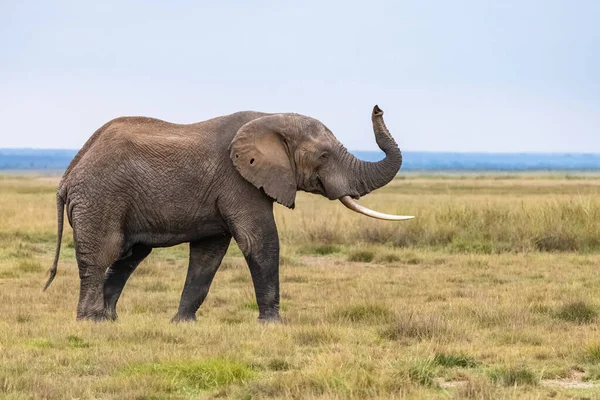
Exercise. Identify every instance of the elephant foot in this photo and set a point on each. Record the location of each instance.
(269, 319)
(183, 318)
(111, 314)
(96, 316)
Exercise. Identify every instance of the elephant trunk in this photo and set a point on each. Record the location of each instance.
(369, 176)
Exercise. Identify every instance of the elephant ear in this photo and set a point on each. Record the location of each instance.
(260, 153)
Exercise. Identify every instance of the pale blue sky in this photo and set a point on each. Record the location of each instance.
(501, 76)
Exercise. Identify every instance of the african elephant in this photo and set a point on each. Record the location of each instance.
(140, 183)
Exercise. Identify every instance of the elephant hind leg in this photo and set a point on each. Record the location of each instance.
(94, 255)
(117, 275)
(205, 258)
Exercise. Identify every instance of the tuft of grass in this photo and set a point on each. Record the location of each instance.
(592, 374)
(556, 242)
(454, 360)
(578, 311)
(279, 364)
(41, 343)
(141, 309)
(592, 353)
(361, 256)
(76, 342)
(517, 337)
(373, 313)
(315, 337)
(289, 261)
(514, 376)
(233, 320)
(23, 318)
(388, 258)
(195, 375)
(409, 258)
(340, 382)
(149, 334)
(468, 245)
(29, 265)
(8, 274)
(250, 305)
(423, 372)
(417, 326)
(320, 250)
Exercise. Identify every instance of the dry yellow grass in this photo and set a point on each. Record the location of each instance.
(492, 292)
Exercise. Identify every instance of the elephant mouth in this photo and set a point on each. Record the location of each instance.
(353, 205)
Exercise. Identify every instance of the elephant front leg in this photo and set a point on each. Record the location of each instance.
(205, 258)
(264, 269)
(260, 245)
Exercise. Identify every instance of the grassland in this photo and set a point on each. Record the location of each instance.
(493, 292)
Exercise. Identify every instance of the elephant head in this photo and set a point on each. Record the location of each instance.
(283, 153)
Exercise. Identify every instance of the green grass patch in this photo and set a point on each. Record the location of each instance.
(363, 313)
(579, 312)
(29, 265)
(250, 305)
(40, 343)
(468, 245)
(279, 364)
(23, 318)
(361, 256)
(289, 261)
(592, 374)
(234, 251)
(320, 250)
(423, 372)
(76, 342)
(8, 274)
(454, 360)
(592, 353)
(556, 242)
(195, 375)
(388, 258)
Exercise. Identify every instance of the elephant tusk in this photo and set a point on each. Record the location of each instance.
(354, 206)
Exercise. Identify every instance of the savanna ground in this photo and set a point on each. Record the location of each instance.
(493, 292)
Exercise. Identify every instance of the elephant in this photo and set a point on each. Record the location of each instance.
(139, 183)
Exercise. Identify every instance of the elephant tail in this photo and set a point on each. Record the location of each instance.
(60, 208)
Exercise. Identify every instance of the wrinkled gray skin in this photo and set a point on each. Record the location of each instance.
(140, 183)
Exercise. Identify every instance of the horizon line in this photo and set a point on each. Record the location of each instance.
(371, 151)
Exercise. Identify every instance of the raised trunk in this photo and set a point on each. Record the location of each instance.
(369, 176)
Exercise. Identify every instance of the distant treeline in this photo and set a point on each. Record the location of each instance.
(34, 159)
